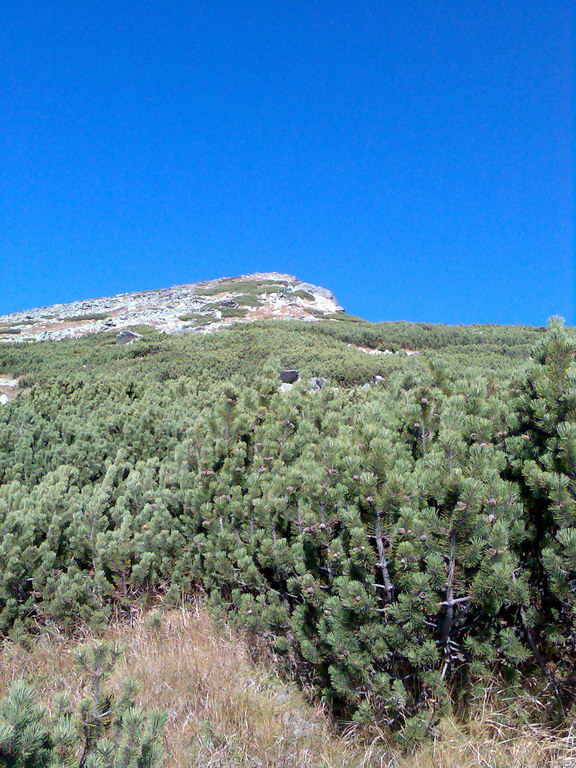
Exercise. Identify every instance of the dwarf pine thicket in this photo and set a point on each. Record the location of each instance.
(400, 545)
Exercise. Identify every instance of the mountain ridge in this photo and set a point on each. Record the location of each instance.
(189, 308)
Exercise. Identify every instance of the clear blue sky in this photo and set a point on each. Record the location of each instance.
(414, 156)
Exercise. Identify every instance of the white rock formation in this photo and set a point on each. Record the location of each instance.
(164, 309)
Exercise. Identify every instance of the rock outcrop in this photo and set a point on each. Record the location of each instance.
(8, 390)
(196, 307)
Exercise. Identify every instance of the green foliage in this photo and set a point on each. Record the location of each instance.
(87, 316)
(303, 295)
(222, 307)
(342, 316)
(148, 331)
(233, 312)
(197, 318)
(255, 287)
(397, 542)
(104, 732)
(247, 301)
(542, 451)
(476, 342)
(6, 329)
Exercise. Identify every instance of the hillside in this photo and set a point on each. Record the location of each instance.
(393, 531)
(181, 309)
(262, 319)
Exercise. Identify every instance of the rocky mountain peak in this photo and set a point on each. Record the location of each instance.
(192, 308)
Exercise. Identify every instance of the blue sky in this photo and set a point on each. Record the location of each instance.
(415, 157)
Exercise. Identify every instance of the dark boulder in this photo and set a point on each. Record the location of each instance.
(289, 376)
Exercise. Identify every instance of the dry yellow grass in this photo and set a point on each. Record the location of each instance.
(227, 712)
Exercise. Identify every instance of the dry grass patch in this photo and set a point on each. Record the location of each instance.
(483, 744)
(227, 712)
(224, 711)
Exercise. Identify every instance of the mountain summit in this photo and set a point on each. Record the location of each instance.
(192, 308)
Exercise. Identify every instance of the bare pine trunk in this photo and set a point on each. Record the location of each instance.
(382, 562)
(449, 615)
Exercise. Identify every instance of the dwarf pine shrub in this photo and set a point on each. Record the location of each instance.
(399, 543)
(103, 732)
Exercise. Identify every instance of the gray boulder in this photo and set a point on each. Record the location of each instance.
(127, 337)
(317, 382)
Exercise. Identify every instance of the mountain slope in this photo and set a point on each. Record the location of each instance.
(191, 308)
(375, 532)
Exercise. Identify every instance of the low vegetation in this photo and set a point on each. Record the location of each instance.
(255, 287)
(303, 295)
(404, 549)
(86, 317)
(224, 310)
(247, 301)
(102, 730)
(233, 312)
(342, 317)
(194, 316)
(227, 709)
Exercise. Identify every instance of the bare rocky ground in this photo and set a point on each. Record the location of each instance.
(192, 308)
(8, 390)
